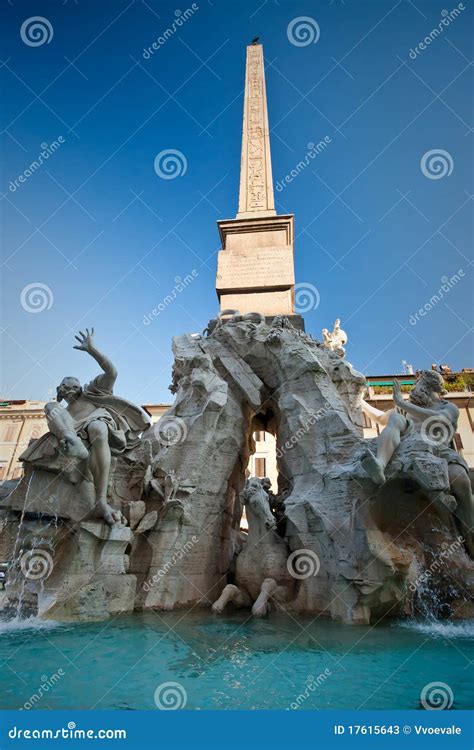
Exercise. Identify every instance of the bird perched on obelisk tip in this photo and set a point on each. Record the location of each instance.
(255, 40)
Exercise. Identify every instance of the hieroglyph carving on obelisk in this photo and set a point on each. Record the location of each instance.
(256, 187)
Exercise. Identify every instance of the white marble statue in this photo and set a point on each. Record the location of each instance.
(436, 420)
(336, 340)
(94, 425)
(261, 569)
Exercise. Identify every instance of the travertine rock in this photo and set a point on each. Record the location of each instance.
(309, 397)
(349, 550)
(64, 562)
(69, 572)
(136, 510)
(147, 522)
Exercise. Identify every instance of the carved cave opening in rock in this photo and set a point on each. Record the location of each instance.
(263, 463)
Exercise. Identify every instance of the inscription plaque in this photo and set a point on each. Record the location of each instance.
(266, 267)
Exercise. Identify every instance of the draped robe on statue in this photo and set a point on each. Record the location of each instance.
(125, 422)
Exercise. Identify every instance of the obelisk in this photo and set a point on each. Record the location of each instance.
(256, 185)
(255, 268)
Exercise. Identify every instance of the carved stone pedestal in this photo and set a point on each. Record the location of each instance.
(65, 571)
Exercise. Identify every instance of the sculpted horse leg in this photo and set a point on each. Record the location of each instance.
(264, 554)
(233, 594)
(260, 607)
(270, 592)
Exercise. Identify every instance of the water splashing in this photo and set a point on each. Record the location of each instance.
(434, 592)
(31, 563)
(15, 625)
(441, 629)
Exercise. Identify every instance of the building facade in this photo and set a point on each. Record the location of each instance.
(20, 422)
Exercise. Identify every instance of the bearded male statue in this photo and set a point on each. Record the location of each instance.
(94, 425)
(436, 420)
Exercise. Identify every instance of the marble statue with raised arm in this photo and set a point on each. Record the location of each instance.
(436, 420)
(94, 425)
(336, 340)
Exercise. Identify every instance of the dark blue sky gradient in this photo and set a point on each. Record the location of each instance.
(108, 236)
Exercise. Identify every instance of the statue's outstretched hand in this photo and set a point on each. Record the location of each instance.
(86, 340)
(397, 394)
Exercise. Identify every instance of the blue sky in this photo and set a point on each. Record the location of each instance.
(107, 237)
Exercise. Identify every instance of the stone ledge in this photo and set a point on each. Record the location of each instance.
(108, 533)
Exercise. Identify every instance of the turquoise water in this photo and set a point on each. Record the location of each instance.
(232, 662)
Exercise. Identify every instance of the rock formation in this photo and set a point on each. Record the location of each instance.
(354, 551)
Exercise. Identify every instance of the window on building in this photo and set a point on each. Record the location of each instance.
(260, 467)
(10, 433)
(263, 461)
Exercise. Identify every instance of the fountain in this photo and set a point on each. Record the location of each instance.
(354, 549)
(114, 516)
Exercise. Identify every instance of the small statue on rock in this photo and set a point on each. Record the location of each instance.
(94, 425)
(336, 340)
